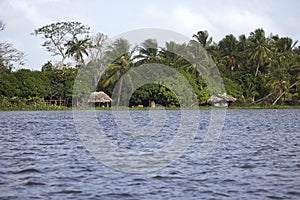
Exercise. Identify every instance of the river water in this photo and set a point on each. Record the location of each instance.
(257, 156)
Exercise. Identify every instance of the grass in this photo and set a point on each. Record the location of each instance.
(34, 108)
(265, 107)
(53, 107)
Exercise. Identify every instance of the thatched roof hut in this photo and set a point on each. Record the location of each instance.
(99, 98)
(221, 100)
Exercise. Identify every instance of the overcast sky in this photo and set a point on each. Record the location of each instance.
(218, 17)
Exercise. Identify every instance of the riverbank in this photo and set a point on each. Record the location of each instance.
(54, 108)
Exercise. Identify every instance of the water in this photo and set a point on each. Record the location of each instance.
(257, 157)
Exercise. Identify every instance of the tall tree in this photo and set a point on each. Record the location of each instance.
(242, 43)
(97, 48)
(77, 49)
(196, 55)
(120, 57)
(96, 53)
(260, 52)
(148, 52)
(56, 35)
(171, 54)
(9, 55)
(203, 38)
(280, 78)
(228, 48)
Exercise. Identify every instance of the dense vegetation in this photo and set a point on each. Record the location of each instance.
(256, 69)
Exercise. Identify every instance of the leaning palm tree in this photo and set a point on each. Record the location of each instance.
(120, 57)
(281, 79)
(77, 49)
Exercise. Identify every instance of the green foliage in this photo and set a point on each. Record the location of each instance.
(16, 103)
(9, 86)
(255, 69)
(154, 92)
(48, 66)
(77, 49)
(59, 84)
(199, 87)
(30, 83)
(258, 70)
(25, 89)
(56, 35)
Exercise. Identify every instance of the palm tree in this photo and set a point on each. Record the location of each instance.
(242, 43)
(77, 48)
(120, 58)
(196, 57)
(148, 52)
(260, 52)
(284, 44)
(228, 47)
(280, 77)
(203, 38)
(171, 54)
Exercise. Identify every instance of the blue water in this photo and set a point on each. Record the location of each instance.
(256, 157)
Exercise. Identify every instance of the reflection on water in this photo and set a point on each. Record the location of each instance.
(258, 156)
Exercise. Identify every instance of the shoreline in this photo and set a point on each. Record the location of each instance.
(62, 108)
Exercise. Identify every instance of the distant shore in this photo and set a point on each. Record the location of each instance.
(60, 108)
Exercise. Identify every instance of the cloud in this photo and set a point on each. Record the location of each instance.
(30, 11)
(185, 19)
(22, 17)
(218, 17)
(218, 21)
(239, 22)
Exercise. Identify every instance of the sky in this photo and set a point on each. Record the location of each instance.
(187, 17)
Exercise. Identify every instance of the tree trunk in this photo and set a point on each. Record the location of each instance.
(119, 91)
(265, 97)
(284, 92)
(278, 98)
(62, 62)
(95, 74)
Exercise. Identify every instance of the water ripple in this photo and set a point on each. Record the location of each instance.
(257, 157)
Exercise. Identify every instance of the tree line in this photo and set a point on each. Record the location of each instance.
(256, 69)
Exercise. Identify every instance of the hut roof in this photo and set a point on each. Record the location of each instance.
(221, 98)
(99, 97)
